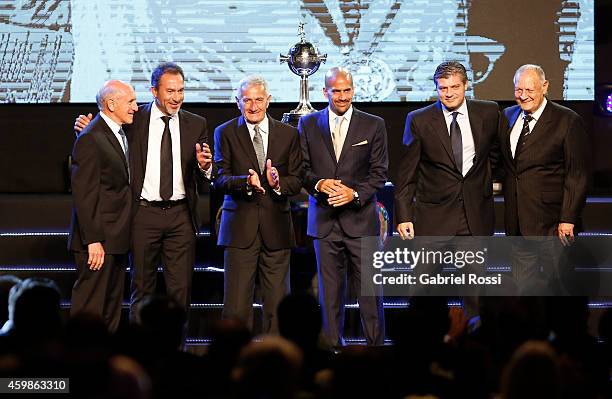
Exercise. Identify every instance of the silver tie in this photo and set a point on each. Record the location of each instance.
(259, 149)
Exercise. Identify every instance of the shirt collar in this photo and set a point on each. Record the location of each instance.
(263, 125)
(156, 113)
(347, 115)
(536, 115)
(114, 126)
(462, 110)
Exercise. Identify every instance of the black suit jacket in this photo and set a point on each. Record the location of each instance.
(243, 214)
(101, 192)
(193, 130)
(549, 182)
(362, 166)
(430, 186)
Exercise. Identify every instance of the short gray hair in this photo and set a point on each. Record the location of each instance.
(108, 90)
(530, 67)
(251, 80)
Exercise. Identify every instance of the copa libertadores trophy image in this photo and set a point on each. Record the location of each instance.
(303, 60)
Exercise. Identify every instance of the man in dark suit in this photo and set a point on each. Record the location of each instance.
(445, 185)
(345, 163)
(169, 154)
(258, 161)
(102, 205)
(545, 154)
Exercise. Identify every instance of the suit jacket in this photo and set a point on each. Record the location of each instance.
(193, 130)
(362, 166)
(430, 186)
(101, 191)
(548, 184)
(243, 214)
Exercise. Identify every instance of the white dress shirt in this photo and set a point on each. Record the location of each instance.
(467, 140)
(115, 127)
(518, 125)
(343, 127)
(150, 188)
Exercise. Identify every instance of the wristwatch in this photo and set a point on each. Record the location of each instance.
(355, 196)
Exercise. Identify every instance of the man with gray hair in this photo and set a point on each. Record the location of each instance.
(259, 168)
(101, 217)
(545, 155)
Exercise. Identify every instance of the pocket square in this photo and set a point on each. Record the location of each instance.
(364, 142)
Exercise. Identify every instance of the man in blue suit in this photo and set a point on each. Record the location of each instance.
(345, 163)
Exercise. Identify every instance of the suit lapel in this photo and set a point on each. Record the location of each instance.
(438, 125)
(512, 116)
(350, 134)
(323, 125)
(185, 142)
(110, 136)
(242, 131)
(540, 126)
(144, 143)
(273, 140)
(476, 123)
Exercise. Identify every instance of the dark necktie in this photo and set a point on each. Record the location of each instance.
(524, 132)
(126, 150)
(165, 162)
(259, 149)
(456, 142)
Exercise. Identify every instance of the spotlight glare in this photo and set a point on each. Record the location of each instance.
(603, 99)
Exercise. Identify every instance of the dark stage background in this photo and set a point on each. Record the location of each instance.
(37, 139)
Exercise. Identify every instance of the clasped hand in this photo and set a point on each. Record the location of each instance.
(338, 194)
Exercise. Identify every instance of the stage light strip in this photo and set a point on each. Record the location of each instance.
(207, 234)
(211, 269)
(600, 304)
(589, 200)
(61, 234)
(582, 234)
(35, 234)
(72, 268)
(41, 268)
(198, 341)
(386, 305)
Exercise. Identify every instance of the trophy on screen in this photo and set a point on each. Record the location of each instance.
(303, 60)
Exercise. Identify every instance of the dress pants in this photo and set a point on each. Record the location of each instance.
(100, 292)
(163, 236)
(338, 256)
(535, 265)
(242, 266)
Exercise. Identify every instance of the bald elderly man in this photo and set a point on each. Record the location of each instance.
(102, 207)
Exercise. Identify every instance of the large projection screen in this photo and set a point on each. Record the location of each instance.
(63, 50)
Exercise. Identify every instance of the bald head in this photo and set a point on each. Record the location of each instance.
(117, 100)
(109, 90)
(338, 90)
(335, 72)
